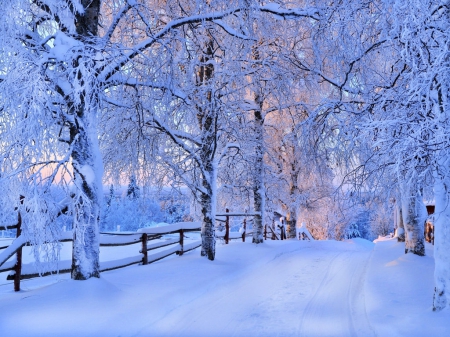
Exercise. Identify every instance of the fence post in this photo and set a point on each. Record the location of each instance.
(245, 229)
(181, 242)
(18, 266)
(144, 248)
(227, 227)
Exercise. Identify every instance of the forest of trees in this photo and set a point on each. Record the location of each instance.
(331, 113)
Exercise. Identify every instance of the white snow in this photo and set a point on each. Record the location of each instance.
(63, 44)
(88, 173)
(278, 288)
(7, 253)
(171, 228)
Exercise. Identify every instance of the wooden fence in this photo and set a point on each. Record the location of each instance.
(149, 238)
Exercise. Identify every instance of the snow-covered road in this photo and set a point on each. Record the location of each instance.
(288, 288)
(295, 293)
(337, 307)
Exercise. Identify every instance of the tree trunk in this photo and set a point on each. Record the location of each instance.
(208, 230)
(86, 158)
(259, 194)
(207, 121)
(208, 198)
(293, 193)
(400, 226)
(414, 211)
(87, 171)
(291, 221)
(441, 242)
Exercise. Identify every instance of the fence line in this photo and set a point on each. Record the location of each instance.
(20, 271)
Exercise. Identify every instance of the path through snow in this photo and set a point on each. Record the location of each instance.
(337, 307)
(294, 293)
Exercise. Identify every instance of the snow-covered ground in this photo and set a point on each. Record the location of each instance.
(279, 288)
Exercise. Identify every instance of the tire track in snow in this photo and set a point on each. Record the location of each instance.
(247, 305)
(337, 308)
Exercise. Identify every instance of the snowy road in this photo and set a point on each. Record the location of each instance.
(294, 293)
(289, 288)
(338, 306)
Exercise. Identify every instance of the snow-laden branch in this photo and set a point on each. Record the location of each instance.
(109, 70)
(116, 20)
(226, 148)
(132, 82)
(274, 8)
(177, 136)
(302, 66)
(75, 6)
(231, 31)
(192, 186)
(115, 102)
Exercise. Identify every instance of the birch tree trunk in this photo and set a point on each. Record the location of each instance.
(87, 170)
(258, 174)
(414, 211)
(442, 238)
(207, 120)
(208, 197)
(86, 158)
(291, 225)
(400, 226)
(208, 230)
(293, 194)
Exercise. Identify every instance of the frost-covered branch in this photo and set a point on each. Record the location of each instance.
(274, 8)
(116, 20)
(178, 137)
(226, 149)
(118, 80)
(231, 31)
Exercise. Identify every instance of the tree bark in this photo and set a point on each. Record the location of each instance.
(259, 194)
(441, 240)
(414, 211)
(87, 171)
(208, 230)
(400, 225)
(291, 230)
(207, 120)
(293, 194)
(86, 157)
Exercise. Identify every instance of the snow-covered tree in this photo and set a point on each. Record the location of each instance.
(422, 29)
(133, 191)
